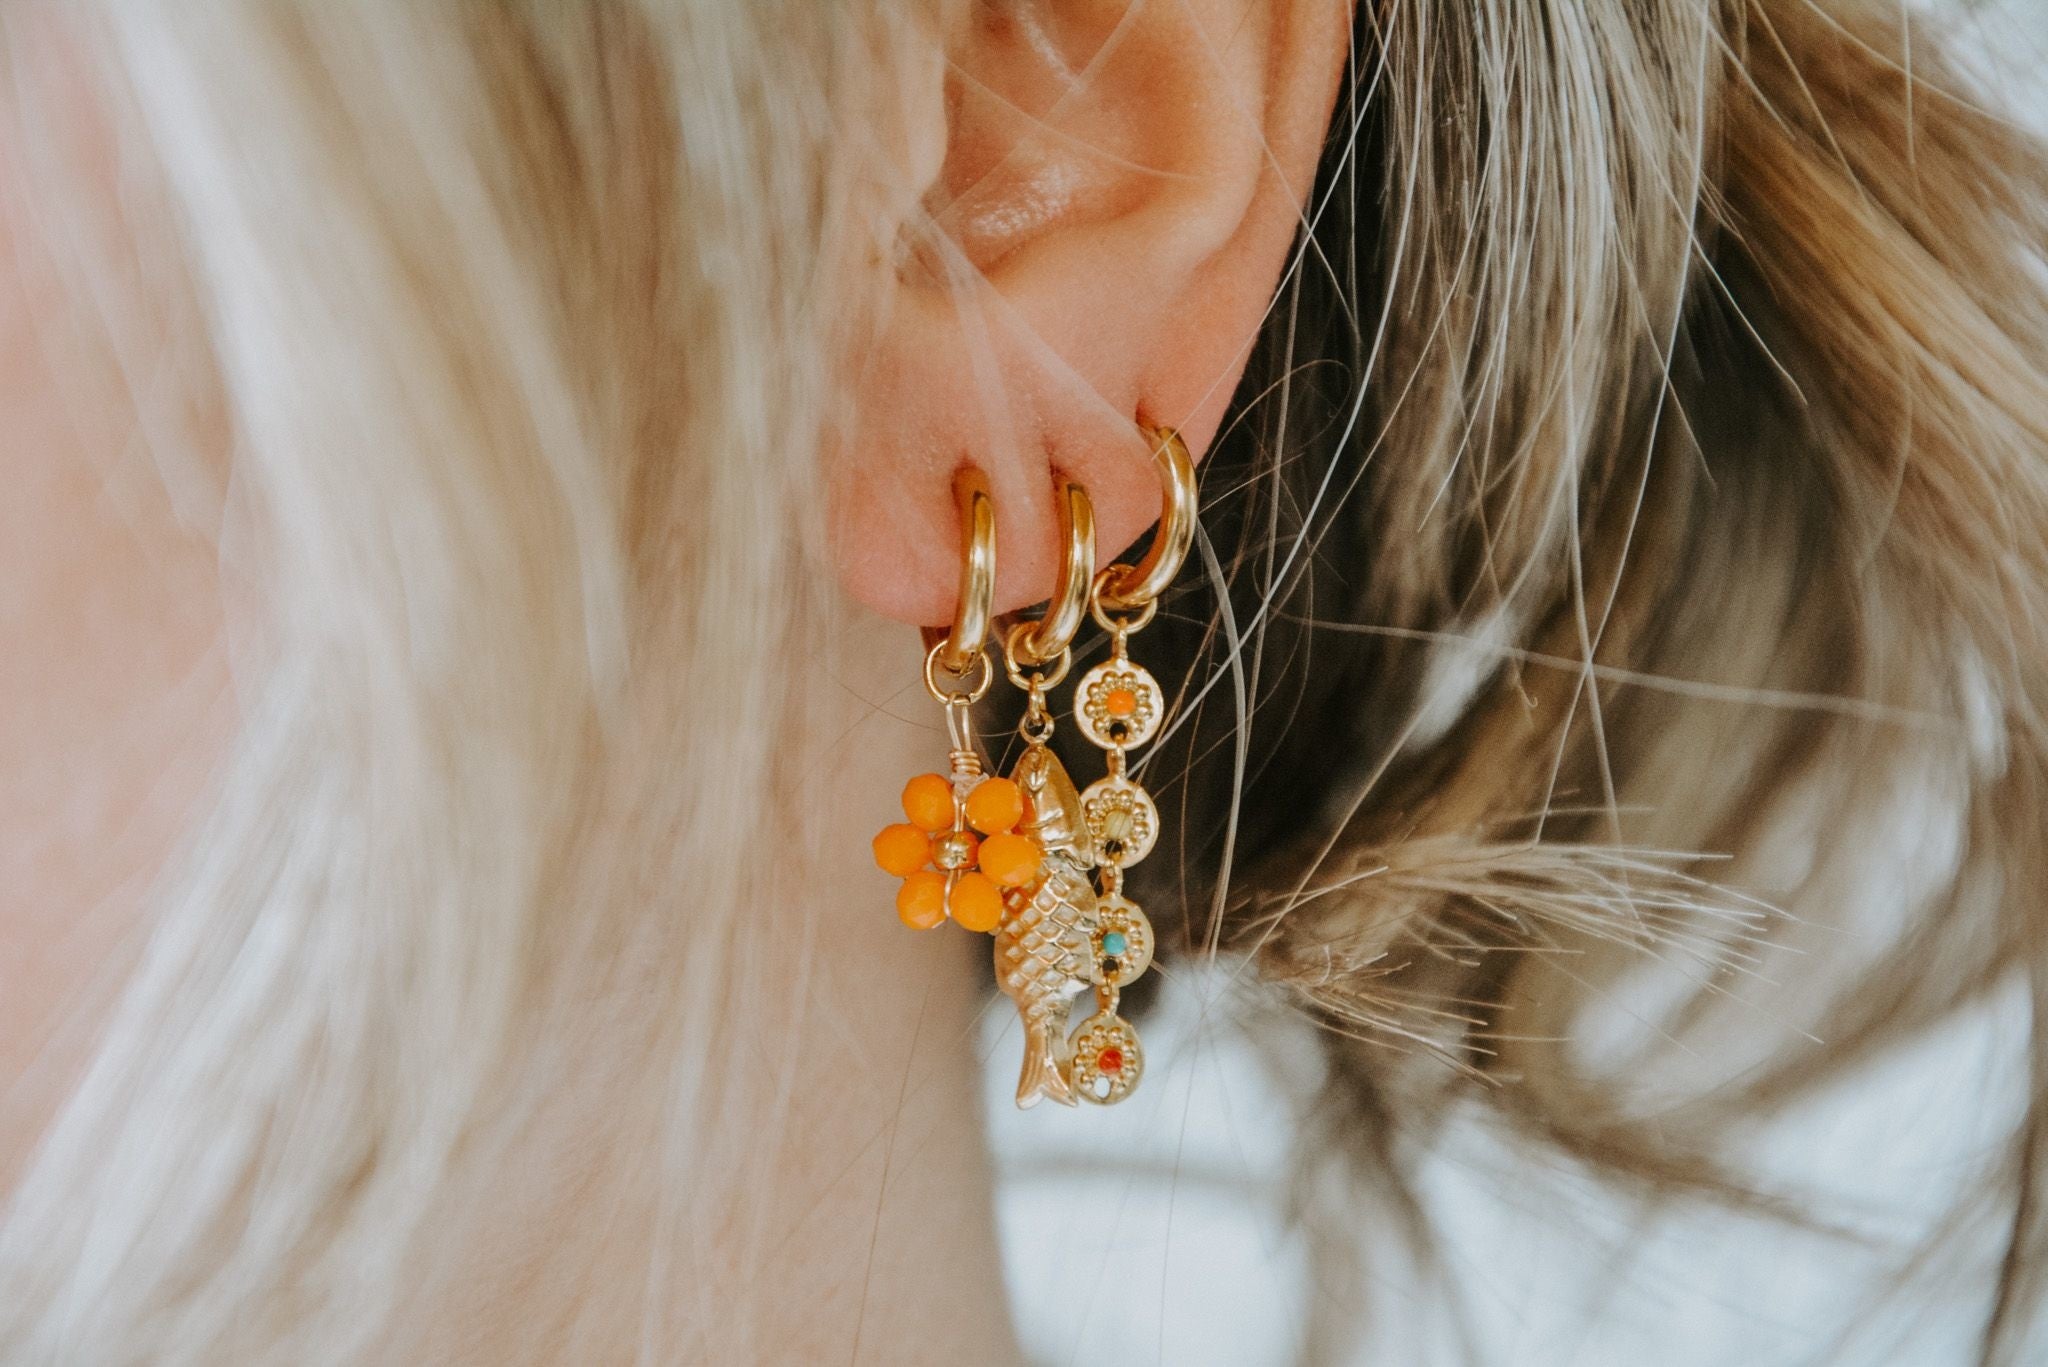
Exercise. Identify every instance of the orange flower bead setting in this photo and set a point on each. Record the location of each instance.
(958, 851)
(954, 850)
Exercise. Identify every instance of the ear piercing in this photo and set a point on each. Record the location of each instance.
(1029, 857)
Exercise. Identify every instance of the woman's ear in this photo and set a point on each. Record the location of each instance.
(1121, 184)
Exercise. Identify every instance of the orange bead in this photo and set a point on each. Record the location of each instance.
(1121, 702)
(996, 804)
(921, 901)
(902, 849)
(928, 802)
(1012, 860)
(977, 903)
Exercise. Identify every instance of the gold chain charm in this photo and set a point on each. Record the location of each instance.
(1119, 705)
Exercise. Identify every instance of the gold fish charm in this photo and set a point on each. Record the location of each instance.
(1044, 947)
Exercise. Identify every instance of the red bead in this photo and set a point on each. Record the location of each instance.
(1110, 1060)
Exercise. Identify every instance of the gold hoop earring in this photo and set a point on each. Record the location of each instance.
(1134, 586)
(959, 847)
(959, 649)
(1052, 635)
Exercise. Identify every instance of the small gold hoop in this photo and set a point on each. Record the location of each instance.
(959, 649)
(1053, 634)
(972, 682)
(1015, 663)
(1100, 606)
(1140, 585)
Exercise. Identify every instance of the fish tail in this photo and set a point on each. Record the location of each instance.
(1043, 1076)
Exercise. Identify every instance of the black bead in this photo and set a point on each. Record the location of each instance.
(1110, 968)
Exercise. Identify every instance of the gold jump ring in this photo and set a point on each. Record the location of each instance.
(971, 684)
(1100, 606)
(1016, 663)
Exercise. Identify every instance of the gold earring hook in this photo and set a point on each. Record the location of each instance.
(958, 650)
(1125, 587)
(1031, 644)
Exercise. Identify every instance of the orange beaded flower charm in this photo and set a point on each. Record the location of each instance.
(959, 849)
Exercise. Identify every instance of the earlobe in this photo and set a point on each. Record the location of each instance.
(1120, 187)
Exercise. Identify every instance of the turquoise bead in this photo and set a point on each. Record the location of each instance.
(1113, 942)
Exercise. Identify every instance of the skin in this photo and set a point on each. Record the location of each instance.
(877, 1183)
(1166, 177)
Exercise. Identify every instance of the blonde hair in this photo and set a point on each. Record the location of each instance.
(524, 319)
(1685, 519)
